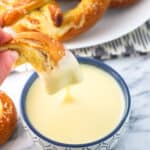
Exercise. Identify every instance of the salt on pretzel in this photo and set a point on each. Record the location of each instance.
(56, 66)
(51, 20)
(121, 3)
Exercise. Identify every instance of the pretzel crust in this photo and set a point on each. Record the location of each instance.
(16, 9)
(121, 3)
(83, 17)
(8, 118)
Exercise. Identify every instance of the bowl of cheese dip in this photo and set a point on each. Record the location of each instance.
(92, 114)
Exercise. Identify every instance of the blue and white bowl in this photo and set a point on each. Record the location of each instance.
(106, 143)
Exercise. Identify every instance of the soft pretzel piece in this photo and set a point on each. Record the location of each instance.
(36, 48)
(121, 3)
(56, 67)
(50, 20)
(16, 9)
(8, 117)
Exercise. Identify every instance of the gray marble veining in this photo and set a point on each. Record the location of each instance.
(136, 73)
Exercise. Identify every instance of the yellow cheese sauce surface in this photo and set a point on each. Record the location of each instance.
(78, 114)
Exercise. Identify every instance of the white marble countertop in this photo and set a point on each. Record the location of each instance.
(135, 71)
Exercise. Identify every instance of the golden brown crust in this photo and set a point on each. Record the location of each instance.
(50, 47)
(8, 118)
(36, 48)
(122, 3)
(49, 19)
(19, 9)
(89, 13)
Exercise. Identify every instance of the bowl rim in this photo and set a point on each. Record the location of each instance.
(89, 61)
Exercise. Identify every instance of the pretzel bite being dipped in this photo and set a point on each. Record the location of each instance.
(8, 118)
(56, 66)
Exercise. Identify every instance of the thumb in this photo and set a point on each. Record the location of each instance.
(7, 59)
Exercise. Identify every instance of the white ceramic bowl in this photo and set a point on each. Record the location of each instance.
(106, 143)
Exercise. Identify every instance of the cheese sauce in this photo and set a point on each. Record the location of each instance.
(78, 114)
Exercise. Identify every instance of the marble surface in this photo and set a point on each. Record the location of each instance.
(136, 73)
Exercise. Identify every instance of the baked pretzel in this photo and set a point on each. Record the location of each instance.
(56, 66)
(48, 18)
(121, 3)
(8, 117)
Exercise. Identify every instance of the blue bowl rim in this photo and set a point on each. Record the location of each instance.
(96, 63)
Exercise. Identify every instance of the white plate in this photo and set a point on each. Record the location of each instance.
(113, 25)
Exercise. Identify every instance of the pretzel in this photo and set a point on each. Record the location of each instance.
(38, 49)
(121, 3)
(56, 66)
(47, 17)
(8, 117)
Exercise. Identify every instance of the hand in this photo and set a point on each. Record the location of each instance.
(7, 58)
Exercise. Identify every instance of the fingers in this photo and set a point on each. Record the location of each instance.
(7, 59)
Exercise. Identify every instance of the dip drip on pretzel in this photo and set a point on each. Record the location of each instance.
(47, 17)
